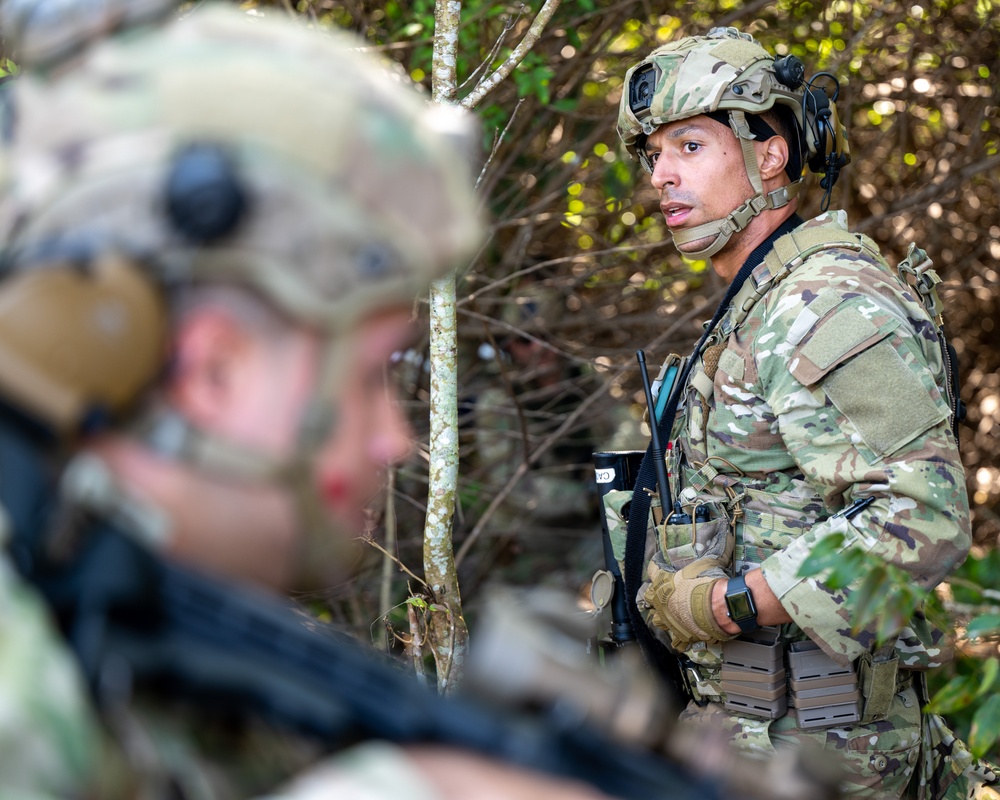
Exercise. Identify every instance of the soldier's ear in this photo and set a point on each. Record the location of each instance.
(772, 156)
(211, 352)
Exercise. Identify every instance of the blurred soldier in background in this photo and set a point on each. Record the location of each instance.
(819, 402)
(213, 230)
(534, 405)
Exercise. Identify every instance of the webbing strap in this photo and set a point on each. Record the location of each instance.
(789, 252)
(792, 250)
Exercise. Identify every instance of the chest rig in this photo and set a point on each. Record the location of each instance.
(695, 472)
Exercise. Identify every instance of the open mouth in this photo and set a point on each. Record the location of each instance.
(675, 213)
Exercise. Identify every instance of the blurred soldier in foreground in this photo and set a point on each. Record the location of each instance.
(820, 402)
(213, 231)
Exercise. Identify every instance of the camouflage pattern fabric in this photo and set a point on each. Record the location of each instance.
(49, 737)
(371, 771)
(179, 753)
(357, 195)
(356, 192)
(697, 74)
(829, 390)
(53, 746)
(948, 770)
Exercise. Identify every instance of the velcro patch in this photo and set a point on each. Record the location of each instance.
(731, 364)
(839, 336)
(737, 52)
(883, 398)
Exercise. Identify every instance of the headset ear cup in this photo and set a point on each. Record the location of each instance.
(78, 345)
(823, 141)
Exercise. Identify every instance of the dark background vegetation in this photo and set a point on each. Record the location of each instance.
(918, 95)
(566, 206)
(567, 211)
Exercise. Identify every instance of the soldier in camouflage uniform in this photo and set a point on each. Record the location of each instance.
(817, 403)
(213, 230)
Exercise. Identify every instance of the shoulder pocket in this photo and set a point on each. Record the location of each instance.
(870, 378)
(834, 341)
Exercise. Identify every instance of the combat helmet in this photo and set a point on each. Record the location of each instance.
(729, 76)
(215, 148)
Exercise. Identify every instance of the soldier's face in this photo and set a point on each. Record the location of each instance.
(699, 173)
(277, 380)
(369, 431)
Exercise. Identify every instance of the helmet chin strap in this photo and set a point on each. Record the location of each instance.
(738, 219)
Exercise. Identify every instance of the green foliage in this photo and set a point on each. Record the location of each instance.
(967, 689)
(883, 598)
(962, 690)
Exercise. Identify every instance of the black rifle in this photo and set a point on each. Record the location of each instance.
(234, 650)
(136, 620)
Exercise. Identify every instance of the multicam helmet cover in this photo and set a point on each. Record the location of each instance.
(728, 71)
(215, 148)
(722, 70)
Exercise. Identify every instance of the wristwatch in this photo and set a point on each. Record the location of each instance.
(740, 604)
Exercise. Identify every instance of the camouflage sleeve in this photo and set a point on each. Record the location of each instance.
(850, 369)
(49, 737)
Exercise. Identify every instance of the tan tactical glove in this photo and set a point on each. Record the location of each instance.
(682, 601)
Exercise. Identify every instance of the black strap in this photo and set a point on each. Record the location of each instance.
(661, 660)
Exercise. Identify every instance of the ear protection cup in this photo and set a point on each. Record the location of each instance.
(79, 342)
(828, 139)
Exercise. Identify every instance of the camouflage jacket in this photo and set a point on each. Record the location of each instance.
(48, 734)
(822, 384)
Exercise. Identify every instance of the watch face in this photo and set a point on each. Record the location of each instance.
(740, 606)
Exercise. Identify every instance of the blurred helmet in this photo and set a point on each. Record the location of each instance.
(219, 148)
(730, 77)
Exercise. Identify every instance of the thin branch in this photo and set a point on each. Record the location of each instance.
(523, 333)
(487, 85)
(508, 23)
(933, 192)
(498, 142)
(368, 540)
(385, 584)
(416, 644)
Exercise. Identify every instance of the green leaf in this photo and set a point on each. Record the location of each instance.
(869, 598)
(846, 567)
(990, 670)
(417, 602)
(824, 555)
(983, 625)
(985, 727)
(958, 693)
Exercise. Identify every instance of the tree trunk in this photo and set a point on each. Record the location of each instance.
(447, 633)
